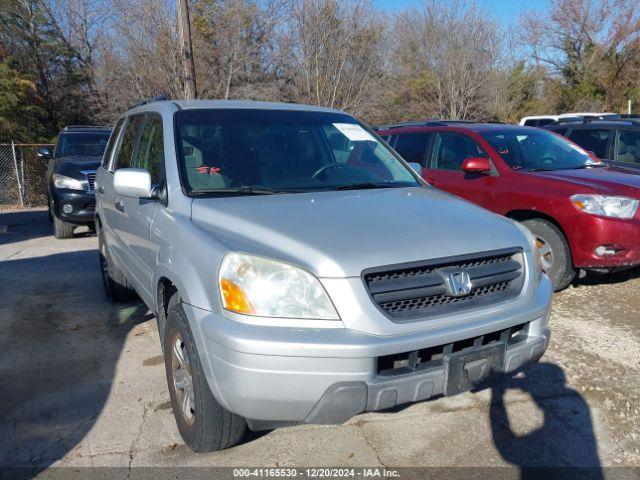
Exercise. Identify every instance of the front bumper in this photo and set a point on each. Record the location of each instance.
(589, 232)
(83, 203)
(327, 375)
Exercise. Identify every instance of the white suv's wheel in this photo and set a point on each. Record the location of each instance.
(204, 424)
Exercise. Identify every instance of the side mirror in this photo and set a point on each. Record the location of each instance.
(593, 155)
(133, 182)
(44, 152)
(416, 167)
(477, 165)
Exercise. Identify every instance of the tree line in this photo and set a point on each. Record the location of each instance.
(86, 61)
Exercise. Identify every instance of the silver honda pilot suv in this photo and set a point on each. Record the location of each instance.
(301, 272)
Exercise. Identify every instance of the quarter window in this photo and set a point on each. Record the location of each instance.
(451, 149)
(412, 146)
(592, 140)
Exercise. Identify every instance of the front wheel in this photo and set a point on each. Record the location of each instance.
(555, 254)
(204, 424)
(62, 229)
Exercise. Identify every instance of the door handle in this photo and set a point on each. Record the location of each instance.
(100, 189)
(119, 206)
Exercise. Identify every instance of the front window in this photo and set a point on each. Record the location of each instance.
(530, 150)
(82, 144)
(229, 150)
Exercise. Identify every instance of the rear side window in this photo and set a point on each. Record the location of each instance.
(451, 149)
(149, 154)
(628, 146)
(412, 146)
(132, 130)
(531, 123)
(592, 140)
(106, 158)
(545, 121)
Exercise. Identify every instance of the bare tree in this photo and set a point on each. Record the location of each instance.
(334, 52)
(454, 49)
(234, 40)
(593, 46)
(142, 56)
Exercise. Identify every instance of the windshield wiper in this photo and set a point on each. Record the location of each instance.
(244, 190)
(367, 185)
(588, 165)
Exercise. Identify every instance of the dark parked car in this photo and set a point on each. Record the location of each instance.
(615, 141)
(70, 176)
(583, 212)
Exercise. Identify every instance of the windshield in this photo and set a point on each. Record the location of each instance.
(255, 151)
(85, 144)
(531, 150)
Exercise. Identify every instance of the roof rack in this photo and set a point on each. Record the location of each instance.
(66, 128)
(435, 122)
(592, 119)
(157, 98)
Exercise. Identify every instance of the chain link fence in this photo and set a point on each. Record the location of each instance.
(23, 176)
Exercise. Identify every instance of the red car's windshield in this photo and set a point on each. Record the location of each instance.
(532, 150)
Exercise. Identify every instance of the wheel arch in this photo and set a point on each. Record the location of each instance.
(520, 215)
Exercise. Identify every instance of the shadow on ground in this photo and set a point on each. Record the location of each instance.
(19, 226)
(564, 441)
(60, 341)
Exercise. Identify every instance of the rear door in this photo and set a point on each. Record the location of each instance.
(122, 157)
(105, 194)
(444, 169)
(413, 147)
(136, 215)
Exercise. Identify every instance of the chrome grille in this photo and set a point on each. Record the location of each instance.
(420, 289)
(91, 180)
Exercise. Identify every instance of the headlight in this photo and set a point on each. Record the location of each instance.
(605, 205)
(535, 251)
(267, 288)
(62, 181)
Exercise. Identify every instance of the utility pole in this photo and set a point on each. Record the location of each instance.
(189, 72)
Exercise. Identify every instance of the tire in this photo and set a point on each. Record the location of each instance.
(208, 426)
(554, 250)
(62, 229)
(116, 286)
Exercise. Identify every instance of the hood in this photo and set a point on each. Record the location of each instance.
(71, 166)
(341, 233)
(608, 180)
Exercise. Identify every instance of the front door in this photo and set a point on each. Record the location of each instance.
(444, 169)
(136, 215)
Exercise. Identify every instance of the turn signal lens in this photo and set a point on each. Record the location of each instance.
(234, 299)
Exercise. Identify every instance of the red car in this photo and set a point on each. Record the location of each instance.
(583, 213)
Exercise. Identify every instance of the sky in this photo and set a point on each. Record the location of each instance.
(505, 11)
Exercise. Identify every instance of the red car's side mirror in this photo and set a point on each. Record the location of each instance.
(478, 165)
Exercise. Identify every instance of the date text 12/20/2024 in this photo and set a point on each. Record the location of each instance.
(315, 472)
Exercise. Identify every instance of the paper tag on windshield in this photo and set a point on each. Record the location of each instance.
(354, 132)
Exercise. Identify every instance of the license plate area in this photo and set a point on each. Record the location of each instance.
(468, 368)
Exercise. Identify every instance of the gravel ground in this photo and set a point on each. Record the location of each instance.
(83, 384)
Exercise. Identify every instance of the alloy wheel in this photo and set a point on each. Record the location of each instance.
(182, 378)
(546, 254)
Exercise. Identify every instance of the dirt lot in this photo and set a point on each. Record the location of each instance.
(83, 384)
